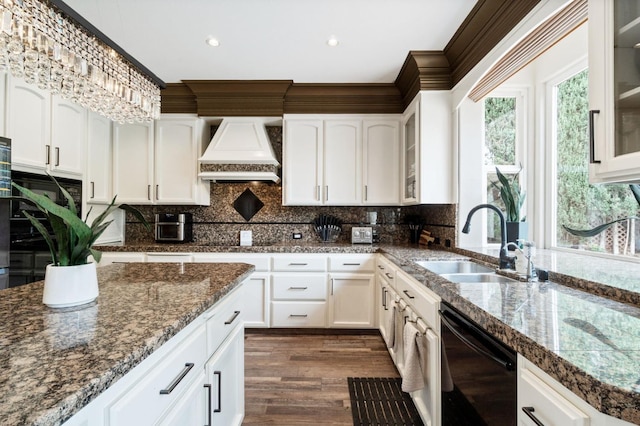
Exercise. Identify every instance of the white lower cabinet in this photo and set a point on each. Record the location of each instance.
(345, 290)
(192, 409)
(225, 375)
(298, 314)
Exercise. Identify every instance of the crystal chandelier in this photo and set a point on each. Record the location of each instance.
(42, 45)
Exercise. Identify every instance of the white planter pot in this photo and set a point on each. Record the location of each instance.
(66, 286)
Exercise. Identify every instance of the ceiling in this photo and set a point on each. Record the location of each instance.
(276, 39)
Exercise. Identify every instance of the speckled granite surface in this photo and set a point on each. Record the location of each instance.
(304, 247)
(55, 361)
(588, 343)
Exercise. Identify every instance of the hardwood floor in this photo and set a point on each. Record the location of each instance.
(299, 377)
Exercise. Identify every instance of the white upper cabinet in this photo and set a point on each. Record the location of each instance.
(159, 165)
(68, 137)
(29, 126)
(302, 162)
(614, 91)
(428, 162)
(381, 162)
(133, 162)
(99, 159)
(341, 160)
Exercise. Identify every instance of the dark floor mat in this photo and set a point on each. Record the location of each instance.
(380, 401)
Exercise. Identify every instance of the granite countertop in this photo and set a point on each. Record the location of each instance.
(54, 362)
(589, 343)
(584, 333)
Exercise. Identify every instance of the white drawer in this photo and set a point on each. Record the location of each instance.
(298, 314)
(144, 403)
(223, 318)
(292, 263)
(299, 287)
(169, 257)
(261, 263)
(386, 269)
(352, 263)
(425, 304)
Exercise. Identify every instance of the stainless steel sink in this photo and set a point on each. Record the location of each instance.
(454, 267)
(477, 278)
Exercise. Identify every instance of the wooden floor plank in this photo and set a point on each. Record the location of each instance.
(299, 377)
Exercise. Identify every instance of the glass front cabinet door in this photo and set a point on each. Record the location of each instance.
(410, 156)
(614, 90)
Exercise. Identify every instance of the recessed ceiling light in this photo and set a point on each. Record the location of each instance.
(333, 41)
(211, 41)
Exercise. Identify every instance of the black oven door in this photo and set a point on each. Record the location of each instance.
(481, 384)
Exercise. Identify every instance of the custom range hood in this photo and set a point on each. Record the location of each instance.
(240, 151)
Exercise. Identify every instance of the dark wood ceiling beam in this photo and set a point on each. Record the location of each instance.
(423, 70)
(305, 98)
(177, 98)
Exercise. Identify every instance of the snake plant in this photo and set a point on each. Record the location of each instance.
(72, 239)
(511, 194)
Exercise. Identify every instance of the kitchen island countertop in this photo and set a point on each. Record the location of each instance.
(54, 362)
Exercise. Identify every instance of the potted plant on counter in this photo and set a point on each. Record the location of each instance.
(71, 279)
(513, 198)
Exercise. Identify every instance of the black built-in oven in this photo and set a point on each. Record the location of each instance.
(481, 383)
(29, 253)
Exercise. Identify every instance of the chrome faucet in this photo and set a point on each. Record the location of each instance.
(506, 261)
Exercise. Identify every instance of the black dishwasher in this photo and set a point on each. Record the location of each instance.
(479, 386)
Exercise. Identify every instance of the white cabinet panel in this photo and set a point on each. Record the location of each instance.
(133, 163)
(192, 407)
(255, 300)
(29, 125)
(381, 162)
(302, 157)
(298, 314)
(352, 263)
(342, 162)
(345, 289)
(68, 137)
(300, 263)
(299, 287)
(99, 159)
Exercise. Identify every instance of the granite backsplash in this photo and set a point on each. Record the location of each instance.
(221, 223)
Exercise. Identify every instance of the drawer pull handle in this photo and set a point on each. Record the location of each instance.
(57, 156)
(384, 299)
(351, 264)
(298, 264)
(298, 288)
(408, 295)
(381, 267)
(298, 316)
(219, 374)
(209, 405)
(389, 275)
(187, 367)
(529, 412)
(233, 318)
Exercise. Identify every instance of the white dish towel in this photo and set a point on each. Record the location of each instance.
(415, 358)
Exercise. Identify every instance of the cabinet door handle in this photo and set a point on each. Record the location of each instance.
(157, 191)
(93, 190)
(351, 264)
(298, 288)
(47, 154)
(298, 264)
(408, 295)
(219, 374)
(529, 412)
(208, 386)
(592, 138)
(366, 193)
(149, 192)
(187, 367)
(381, 267)
(233, 318)
(318, 192)
(326, 193)
(57, 156)
(389, 275)
(332, 286)
(384, 299)
(298, 315)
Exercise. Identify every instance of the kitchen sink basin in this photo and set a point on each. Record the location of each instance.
(454, 267)
(478, 278)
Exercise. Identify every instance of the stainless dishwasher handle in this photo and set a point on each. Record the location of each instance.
(529, 412)
(208, 386)
(233, 318)
(187, 367)
(447, 323)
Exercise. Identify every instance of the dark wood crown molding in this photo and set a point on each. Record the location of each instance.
(303, 98)
(423, 70)
(486, 25)
(260, 98)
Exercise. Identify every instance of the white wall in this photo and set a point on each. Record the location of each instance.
(532, 79)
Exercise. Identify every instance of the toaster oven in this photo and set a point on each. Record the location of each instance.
(174, 228)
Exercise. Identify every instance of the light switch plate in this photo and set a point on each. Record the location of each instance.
(246, 238)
